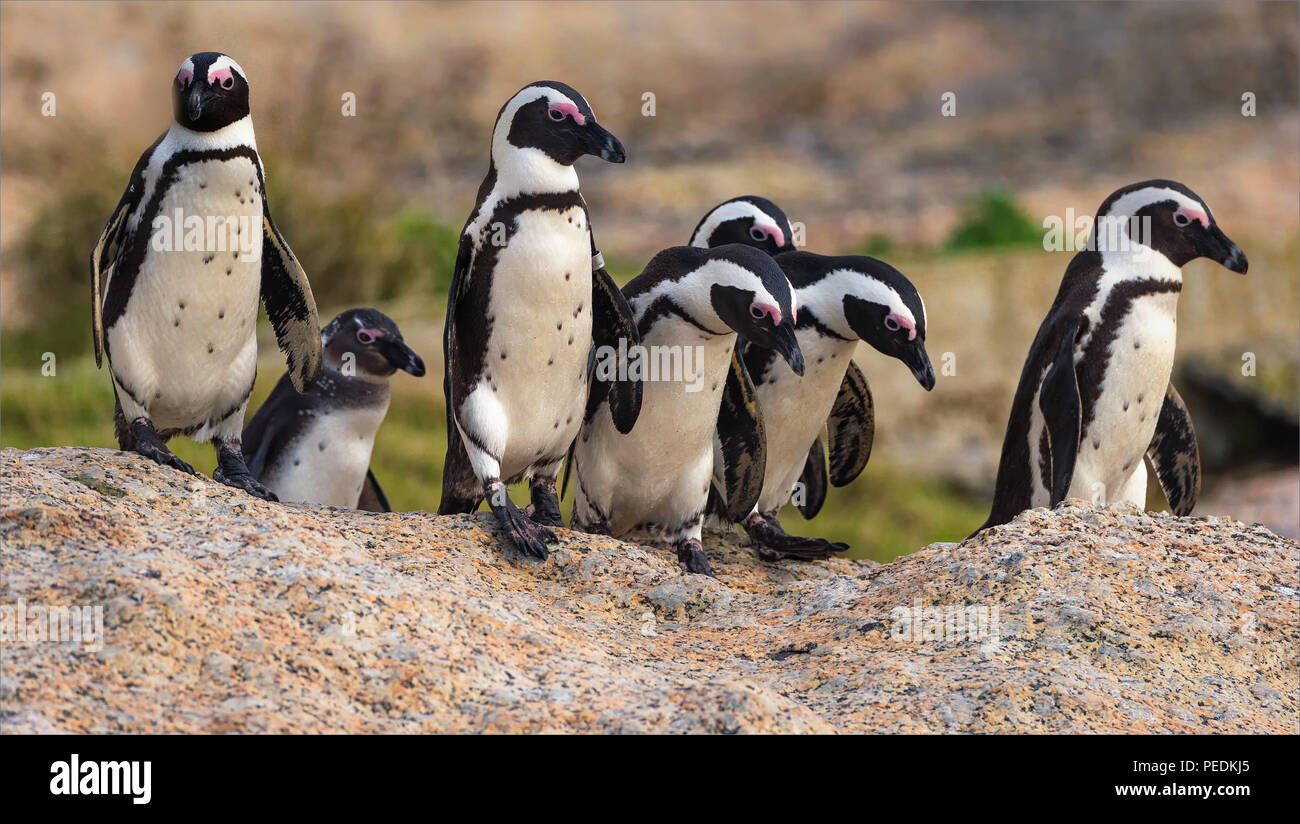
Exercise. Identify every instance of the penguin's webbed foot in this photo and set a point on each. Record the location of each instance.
(528, 536)
(233, 471)
(148, 444)
(691, 558)
(773, 544)
(545, 507)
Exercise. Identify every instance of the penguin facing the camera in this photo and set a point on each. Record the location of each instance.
(529, 298)
(690, 304)
(184, 260)
(1094, 396)
(315, 447)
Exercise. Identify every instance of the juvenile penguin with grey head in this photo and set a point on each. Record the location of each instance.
(183, 262)
(841, 300)
(529, 298)
(315, 447)
(690, 304)
(1094, 396)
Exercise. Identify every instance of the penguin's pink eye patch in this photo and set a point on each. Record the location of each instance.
(184, 78)
(762, 231)
(1184, 217)
(559, 111)
(758, 311)
(221, 77)
(895, 322)
(368, 336)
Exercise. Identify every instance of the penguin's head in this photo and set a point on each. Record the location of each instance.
(860, 297)
(1170, 219)
(750, 294)
(210, 92)
(369, 341)
(753, 221)
(553, 119)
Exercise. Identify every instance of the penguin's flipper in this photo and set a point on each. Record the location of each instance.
(290, 305)
(612, 322)
(261, 433)
(1058, 400)
(742, 442)
(372, 497)
(1175, 455)
(813, 481)
(105, 251)
(460, 485)
(851, 427)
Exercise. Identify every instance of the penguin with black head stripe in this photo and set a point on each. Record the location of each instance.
(177, 321)
(1094, 396)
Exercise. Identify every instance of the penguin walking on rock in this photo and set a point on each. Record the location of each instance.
(1094, 395)
(184, 260)
(529, 298)
(690, 304)
(841, 300)
(315, 447)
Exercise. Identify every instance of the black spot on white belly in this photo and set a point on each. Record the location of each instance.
(321, 446)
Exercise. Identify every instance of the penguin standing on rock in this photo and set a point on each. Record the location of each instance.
(1094, 395)
(315, 447)
(690, 304)
(841, 301)
(529, 297)
(184, 259)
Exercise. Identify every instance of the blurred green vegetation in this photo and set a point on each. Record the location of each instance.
(991, 220)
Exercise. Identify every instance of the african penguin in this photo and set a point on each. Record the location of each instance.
(841, 300)
(185, 258)
(753, 221)
(315, 447)
(529, 297)
(1094, 395)
(689, 305)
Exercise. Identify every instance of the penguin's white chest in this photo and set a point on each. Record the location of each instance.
(535, 367)
(795, 410)
(659, 473)
(327, 462)
(186, 344)
(1133, 387)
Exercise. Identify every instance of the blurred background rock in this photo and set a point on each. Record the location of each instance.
(830, 109)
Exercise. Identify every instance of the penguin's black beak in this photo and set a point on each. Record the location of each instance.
(786, 345)
(598, 140)
(402, 356)
(916, 358)
(201, 96)
(1216, 246)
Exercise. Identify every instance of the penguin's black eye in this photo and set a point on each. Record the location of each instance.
(227, 83)
(757, 312)
(364, 336)
(555, 114)
(892, 324)
(1181, 219)
(758, 234)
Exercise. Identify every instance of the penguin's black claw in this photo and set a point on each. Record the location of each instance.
(690, 557)
(148, 444)
(246, 482)
(545, 508)
(773, 544)
(233, 471)
(528, 536)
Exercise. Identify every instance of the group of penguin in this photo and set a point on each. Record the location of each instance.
(530, 305)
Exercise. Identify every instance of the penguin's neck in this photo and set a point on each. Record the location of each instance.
(529, 171)
(239, 133)
(823, 305)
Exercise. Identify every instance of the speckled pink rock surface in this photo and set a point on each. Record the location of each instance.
(224, 613)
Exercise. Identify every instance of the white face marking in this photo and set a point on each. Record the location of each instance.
(730, 211)
(825, 299)
(224, 63)
(694, 292)
(529, 169)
